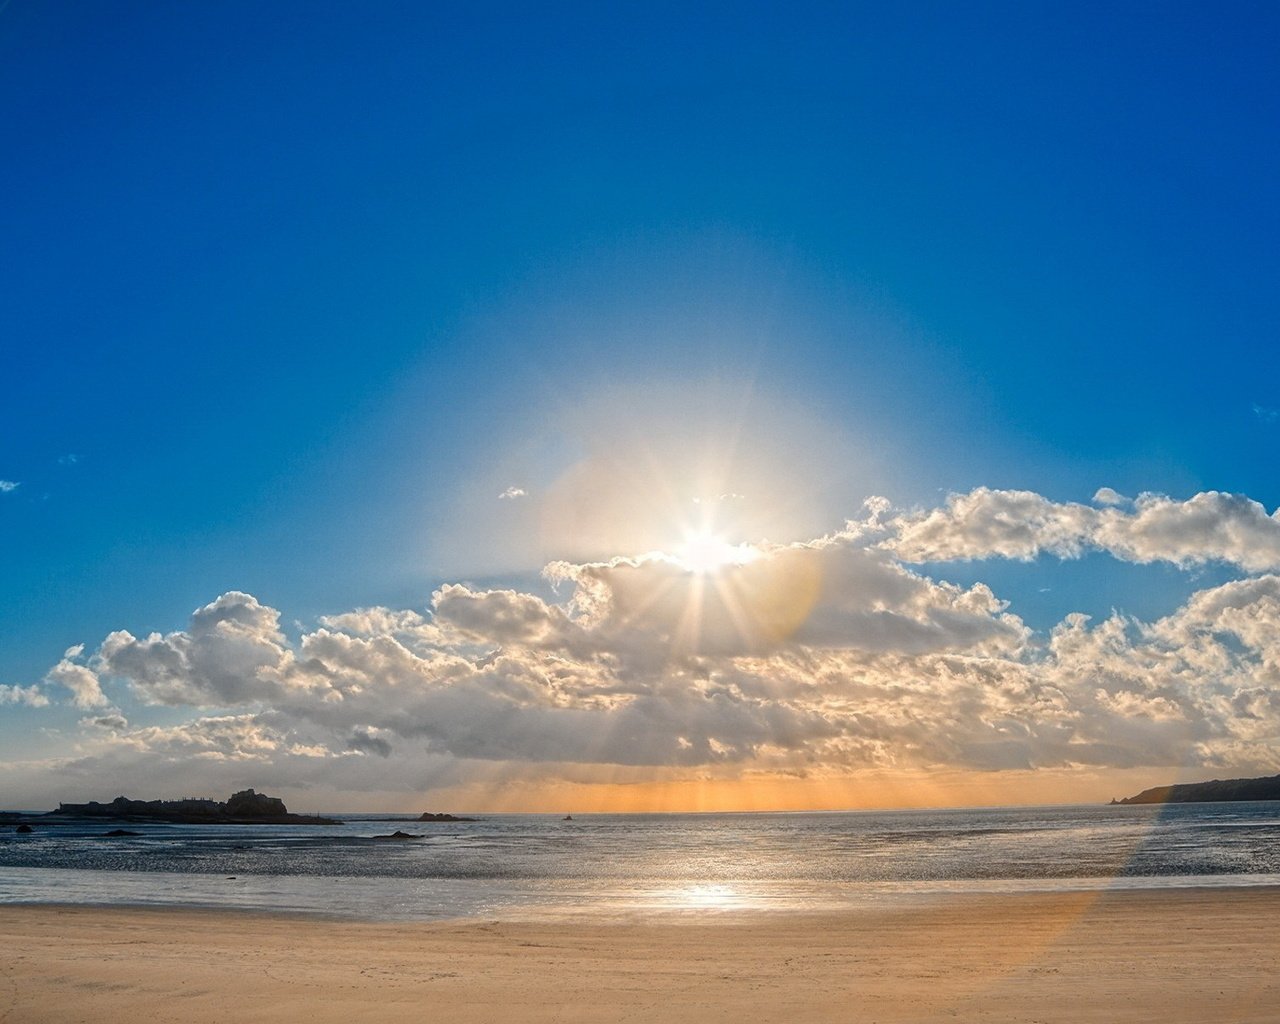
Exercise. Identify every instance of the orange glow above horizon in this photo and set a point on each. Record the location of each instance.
(760, 792)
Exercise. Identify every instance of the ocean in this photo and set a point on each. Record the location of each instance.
(618, 866)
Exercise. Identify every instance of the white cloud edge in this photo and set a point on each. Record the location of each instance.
(1209, 527)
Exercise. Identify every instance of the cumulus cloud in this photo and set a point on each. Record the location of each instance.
(82, 681)
(834, 592)
(233, 652)
(500, 616)
(29, 695)
(1209, 527)
(830, 654)
(8, 485)
(986, 523)
(375, 621)
(511, 493)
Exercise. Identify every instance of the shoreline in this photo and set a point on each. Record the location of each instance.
(377, 900)
(1175, 955)
(391, 900)
(922, 901)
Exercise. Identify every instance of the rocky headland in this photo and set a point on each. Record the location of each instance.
(1227, 790)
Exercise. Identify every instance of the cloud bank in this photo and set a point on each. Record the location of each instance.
(834, 655)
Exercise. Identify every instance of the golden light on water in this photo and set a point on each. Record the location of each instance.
(705, 897)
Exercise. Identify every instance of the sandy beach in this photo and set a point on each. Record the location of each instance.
(1178, 955)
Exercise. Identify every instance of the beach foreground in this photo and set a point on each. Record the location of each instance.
(1176, 955)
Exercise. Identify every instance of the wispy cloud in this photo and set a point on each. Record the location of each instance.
(511, 493)
(1265, 414)
(8, 485)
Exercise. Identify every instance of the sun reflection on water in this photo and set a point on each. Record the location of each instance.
(707, 897)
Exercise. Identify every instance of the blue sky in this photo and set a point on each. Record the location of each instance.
(291, 293)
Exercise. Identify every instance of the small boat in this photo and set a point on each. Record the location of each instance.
(567, 817)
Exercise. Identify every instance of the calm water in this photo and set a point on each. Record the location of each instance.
(638, 864)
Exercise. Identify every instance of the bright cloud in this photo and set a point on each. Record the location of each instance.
(86, 690)
(1209, 527)
(233, 652)
(827, 655)
(8, 485)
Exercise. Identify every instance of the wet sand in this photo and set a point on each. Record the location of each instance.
(1170, 956)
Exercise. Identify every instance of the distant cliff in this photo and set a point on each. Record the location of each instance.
(243, 808)
(1207, 792)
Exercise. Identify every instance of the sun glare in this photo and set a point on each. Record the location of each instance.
(704, 552)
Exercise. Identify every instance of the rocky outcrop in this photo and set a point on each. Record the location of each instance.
(248, 805)
(428, 816)
(243, 808)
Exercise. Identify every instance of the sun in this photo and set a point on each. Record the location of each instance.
(704, 552)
